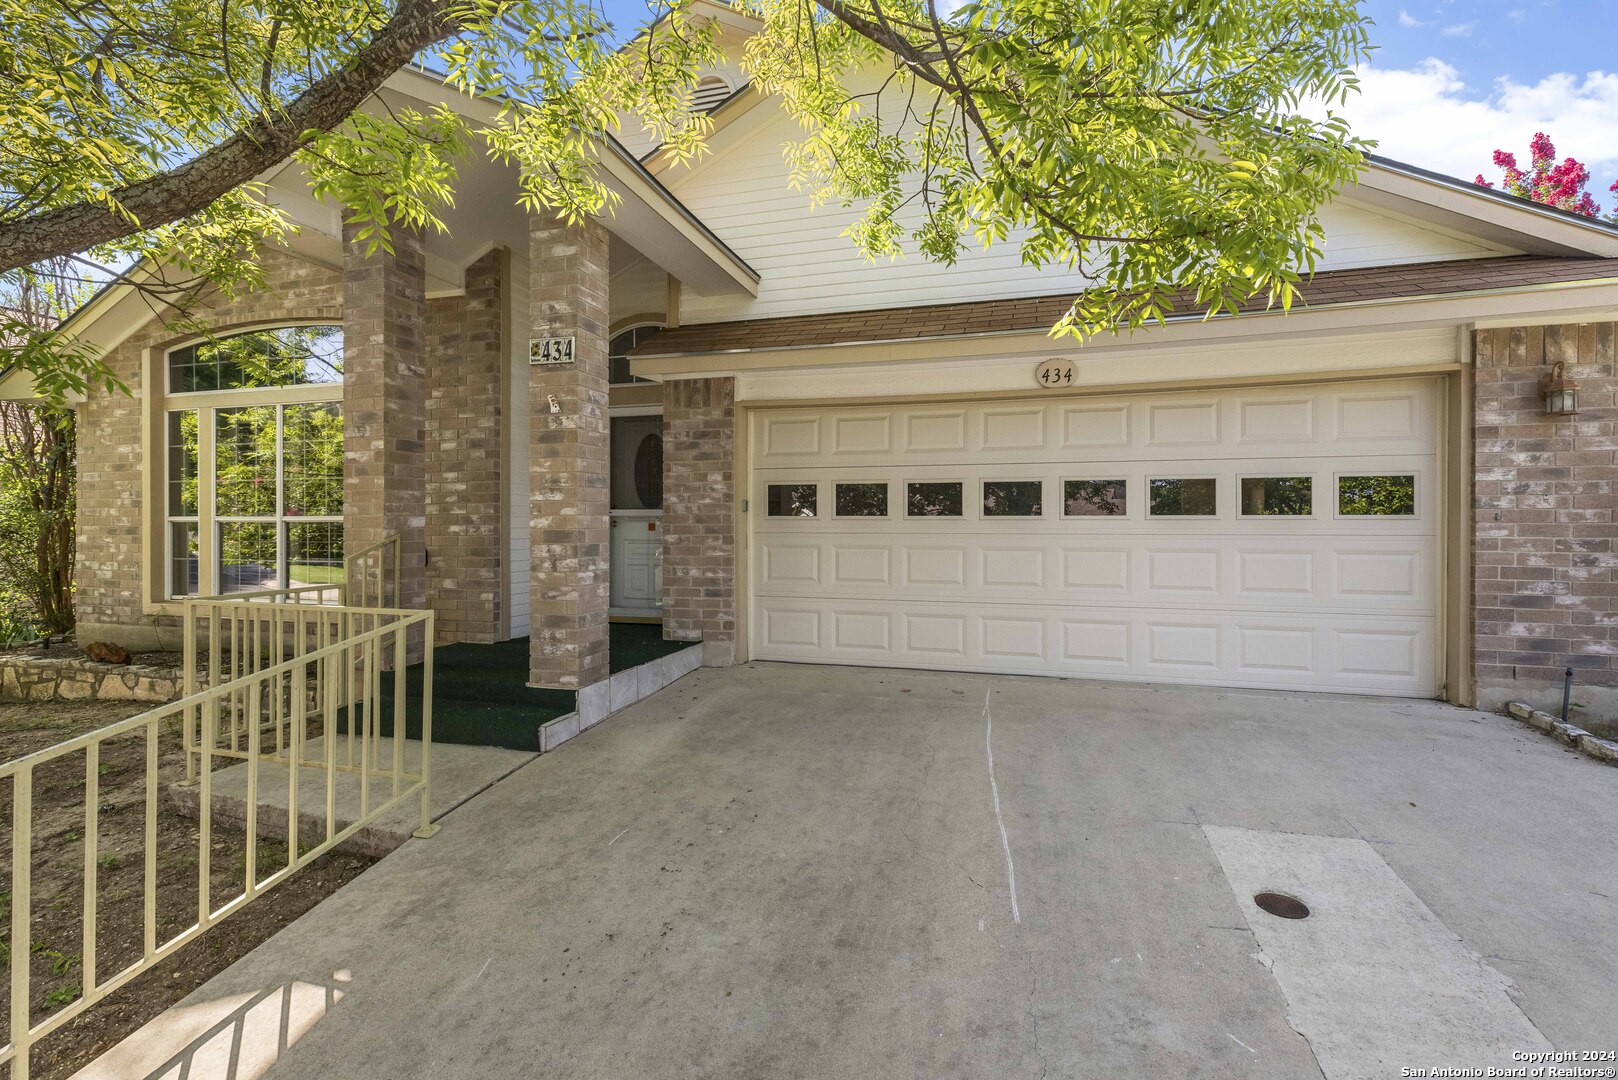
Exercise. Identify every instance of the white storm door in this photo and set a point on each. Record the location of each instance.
(637, 561)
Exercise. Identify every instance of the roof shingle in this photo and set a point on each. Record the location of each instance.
(1325, 289)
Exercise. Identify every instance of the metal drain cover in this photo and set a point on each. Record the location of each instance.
(1281, 905)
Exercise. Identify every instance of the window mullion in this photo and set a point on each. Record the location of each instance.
(281, 569)
(207, 538)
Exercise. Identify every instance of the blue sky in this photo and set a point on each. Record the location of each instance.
(1453, 79)
(1526, 39)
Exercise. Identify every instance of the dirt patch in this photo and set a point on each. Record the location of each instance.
(56, 947)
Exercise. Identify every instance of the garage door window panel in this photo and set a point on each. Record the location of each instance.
(1277, 496)
(1377, 495)
(862, 499)
(1095, 498)
(1189, 496)
(934, 499)
(1014, 498)
(792, 500)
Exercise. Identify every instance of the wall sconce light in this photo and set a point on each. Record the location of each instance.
(1561, 393)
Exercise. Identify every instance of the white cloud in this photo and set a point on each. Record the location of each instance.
(1409, 21)
(1428, 116)
(1459, 29)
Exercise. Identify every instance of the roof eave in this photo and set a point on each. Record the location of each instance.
(1269, 315)
(1489, 214)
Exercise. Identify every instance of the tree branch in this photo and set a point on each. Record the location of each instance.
(264, 143)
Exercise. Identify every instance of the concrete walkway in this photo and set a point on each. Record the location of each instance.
(460, 773)
(778, 871)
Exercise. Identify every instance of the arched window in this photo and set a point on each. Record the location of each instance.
(618, 352)
(253, 491)
(710, 91)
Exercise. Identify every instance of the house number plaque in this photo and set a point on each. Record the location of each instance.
(1056, 372)
(550, 351)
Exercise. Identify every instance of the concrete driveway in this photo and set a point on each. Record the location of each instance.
(778, 871)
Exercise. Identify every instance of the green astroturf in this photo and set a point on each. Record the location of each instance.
(480, 696)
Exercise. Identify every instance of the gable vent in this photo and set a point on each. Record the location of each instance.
(710, 91)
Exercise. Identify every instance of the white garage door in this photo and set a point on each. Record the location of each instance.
(1279, 537)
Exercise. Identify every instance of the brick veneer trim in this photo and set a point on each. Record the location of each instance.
(699, 499)
(1545, 568)
(385, 404)
(467, 370)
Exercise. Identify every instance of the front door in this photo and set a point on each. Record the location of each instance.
(637, 512)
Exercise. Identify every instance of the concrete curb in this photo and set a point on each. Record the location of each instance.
(1576, 737)
(617, 692)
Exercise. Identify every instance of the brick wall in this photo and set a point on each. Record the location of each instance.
(699, 524)
(569, 527)
(110, 559)
(1546, 569)
(466, 372)
(385, 404)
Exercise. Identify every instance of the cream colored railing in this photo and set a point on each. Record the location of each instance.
(273, 716)
(282, 623)
(371, 575)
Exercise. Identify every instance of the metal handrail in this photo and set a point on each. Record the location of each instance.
(245, 636)
(358, 588)
(288, 696)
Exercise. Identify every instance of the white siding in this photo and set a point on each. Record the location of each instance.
(1359, 236)
(808, 266)
(517, 547)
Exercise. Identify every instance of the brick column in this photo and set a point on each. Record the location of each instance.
(467, 373)
(1545, 589)
(699, 523)
(569, 496)
(385, 404)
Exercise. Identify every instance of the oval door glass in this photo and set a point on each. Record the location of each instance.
(649, 470)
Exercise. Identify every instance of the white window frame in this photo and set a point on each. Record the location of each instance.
(160, 596)
(656, 324)
(962, 482)
(1131, 496)
(1219, 497)
(1022, 478)
(835, 515)
(1314, 492)
(1416, 493)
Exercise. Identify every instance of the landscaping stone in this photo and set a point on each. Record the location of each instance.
(77, 678)
(1576, 737)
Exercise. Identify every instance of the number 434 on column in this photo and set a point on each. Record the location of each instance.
(550, 351)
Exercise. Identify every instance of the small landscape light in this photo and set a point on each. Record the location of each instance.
(1561, 393)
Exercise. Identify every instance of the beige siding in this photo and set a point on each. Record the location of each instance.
(808, 265)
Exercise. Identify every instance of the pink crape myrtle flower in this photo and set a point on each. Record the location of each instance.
(1546, 181)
